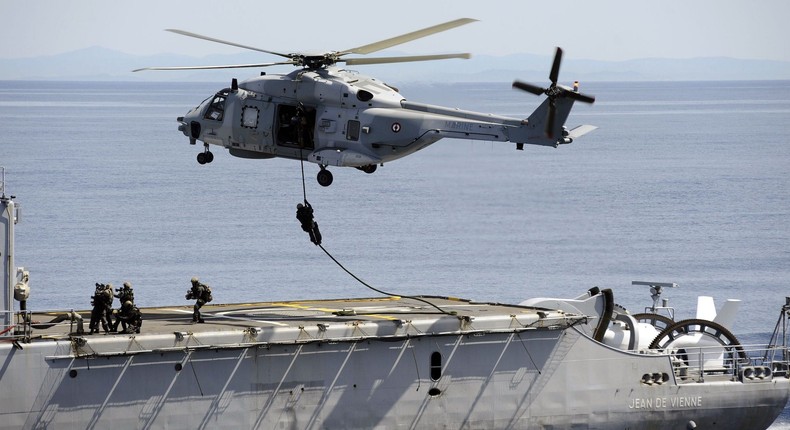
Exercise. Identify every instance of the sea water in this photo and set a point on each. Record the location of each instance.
(684, 182)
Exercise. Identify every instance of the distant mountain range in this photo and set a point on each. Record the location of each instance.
(101, 64)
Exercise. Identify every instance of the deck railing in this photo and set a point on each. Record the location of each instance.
(745, 363)
(19, 329)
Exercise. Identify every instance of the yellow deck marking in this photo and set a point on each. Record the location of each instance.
(331, 310)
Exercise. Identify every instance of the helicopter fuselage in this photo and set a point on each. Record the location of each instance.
(336, 117)
(333, 116)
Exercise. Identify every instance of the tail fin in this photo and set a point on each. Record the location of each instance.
(545, 125)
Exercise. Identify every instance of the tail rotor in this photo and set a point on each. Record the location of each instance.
(554, 92)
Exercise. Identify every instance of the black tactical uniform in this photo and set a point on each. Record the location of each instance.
(130, 317)
(201, 293)
(108, 298)
(99, 312)
(304, 213)
(125, 294)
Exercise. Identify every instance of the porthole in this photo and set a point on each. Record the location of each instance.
(436, 366)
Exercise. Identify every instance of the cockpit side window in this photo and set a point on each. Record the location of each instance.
(216, 109)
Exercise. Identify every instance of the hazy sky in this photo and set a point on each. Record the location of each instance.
(586, 29)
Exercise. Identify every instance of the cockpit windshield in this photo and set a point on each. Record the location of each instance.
(216, 108)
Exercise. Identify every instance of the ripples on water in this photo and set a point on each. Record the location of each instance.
(683, 182)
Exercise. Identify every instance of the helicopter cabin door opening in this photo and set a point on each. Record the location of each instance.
(295, 125)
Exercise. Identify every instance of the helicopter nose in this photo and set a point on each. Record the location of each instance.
(189, 127)
(182, 127)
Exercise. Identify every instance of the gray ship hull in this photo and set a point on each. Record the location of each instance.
(364, 364)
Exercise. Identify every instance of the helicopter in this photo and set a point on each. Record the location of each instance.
(333, 116)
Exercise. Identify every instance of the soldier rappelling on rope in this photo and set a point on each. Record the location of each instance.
(304, 213)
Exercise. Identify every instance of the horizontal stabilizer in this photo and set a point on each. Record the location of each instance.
(581, 131)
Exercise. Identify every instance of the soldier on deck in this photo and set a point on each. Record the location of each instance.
(123, 294)
(126, 293)
(108, 298)
(130, 317)
(99, 312)
(201, 293)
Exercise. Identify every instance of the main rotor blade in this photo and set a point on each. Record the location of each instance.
(397, 40)
(405, 59)
(225, 42)
(226, 66)
(555, 68)
(534, 89)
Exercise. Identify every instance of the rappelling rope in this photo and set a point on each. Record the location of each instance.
(380, 291)
(304, 188)
(304, 194)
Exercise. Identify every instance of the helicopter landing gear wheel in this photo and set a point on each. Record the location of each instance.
(206, 156)
(370, 168)
(324, 177)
